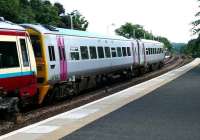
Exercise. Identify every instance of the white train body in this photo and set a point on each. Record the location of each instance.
(71, 54)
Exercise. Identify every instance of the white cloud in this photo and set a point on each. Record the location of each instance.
(169, 18)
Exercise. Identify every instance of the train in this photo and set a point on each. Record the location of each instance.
(41, 63)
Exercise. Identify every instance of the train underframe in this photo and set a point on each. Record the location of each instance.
(13, 101)
(68, 89)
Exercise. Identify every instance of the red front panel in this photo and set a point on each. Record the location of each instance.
(24, 84)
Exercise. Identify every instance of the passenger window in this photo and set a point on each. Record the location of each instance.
(119, 51)
(128, 51)
(8, 55)
(107, 52)
(51, 53)
(75, 56)
(124, 51)
(100, 52)
(114, 53)
(147, 52)
(24, 52)
(74, 53)
(84, 52)
(93, 53)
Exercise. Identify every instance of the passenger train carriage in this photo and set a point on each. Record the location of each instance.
(17, 66)
(68, 60)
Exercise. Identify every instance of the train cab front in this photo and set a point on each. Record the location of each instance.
(38, 43)
(18, 85)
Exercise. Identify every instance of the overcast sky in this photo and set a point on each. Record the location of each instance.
(169, 18)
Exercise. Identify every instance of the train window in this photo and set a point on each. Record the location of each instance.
(8, 55)
(93, 53)
(124, 51)
(114, 53)
(147, 51)
(24, 52)
(128, 51)
(51, 53)
(100, 52)
(74, 53)
(84, 52)
(60, 53)
(64, 55)
(119, 51)
(107, 52)
(74, 56)
(36, 46)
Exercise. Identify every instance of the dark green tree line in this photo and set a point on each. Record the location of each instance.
(137, 31)
(41, 11)
(193, 46)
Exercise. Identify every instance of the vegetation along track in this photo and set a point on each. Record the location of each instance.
(41, 113)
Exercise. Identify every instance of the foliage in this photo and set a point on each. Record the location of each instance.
(196, 23)
(79, 22)
(137, 31)
(193, 46)
(40, 11)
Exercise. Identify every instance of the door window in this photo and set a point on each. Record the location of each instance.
(24, 52)
(51, 53)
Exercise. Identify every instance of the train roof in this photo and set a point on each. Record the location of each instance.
(10, 26)
(151, 41)
(54, 30)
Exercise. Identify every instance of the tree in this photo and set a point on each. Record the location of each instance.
(60, 8)
(45, 12)
(79, 21)
(165, 41)
(196, 23)
(137, 31)
(193, 46)
(9, 9)
(130, 30)
(41, 11)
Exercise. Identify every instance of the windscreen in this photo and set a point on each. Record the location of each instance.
(35, 40)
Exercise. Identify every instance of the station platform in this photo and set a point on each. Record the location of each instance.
(164, 108)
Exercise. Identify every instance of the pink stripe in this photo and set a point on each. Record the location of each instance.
(63, 63)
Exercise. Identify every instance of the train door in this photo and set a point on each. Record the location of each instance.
(62, 55)
(26, 66)
(138, 51)
(28, 78)
(53, 70)
(144, 53)
(134, 52)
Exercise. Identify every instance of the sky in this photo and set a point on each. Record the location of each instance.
(168, 18)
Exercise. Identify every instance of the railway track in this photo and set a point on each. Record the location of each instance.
(40, 113)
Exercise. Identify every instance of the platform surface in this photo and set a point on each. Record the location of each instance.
(163, 108)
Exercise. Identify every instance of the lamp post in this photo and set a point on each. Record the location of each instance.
(71, 22)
